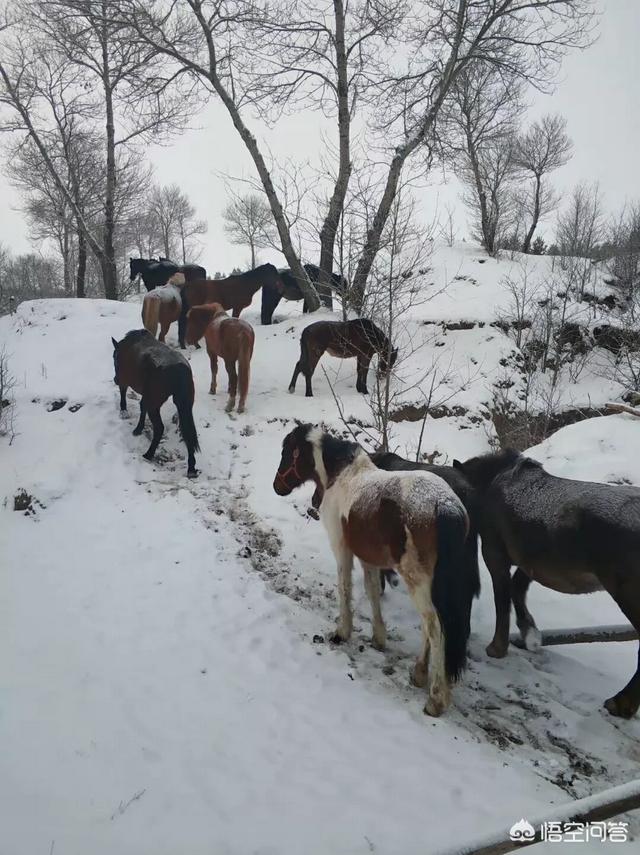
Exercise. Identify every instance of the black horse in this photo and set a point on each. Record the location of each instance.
(271, 297)
(158, 272)
(572, 536)
(467, 495)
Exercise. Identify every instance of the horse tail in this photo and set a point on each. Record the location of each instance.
(244, 365)
(183, 397)
(151, 313)
(450, 595)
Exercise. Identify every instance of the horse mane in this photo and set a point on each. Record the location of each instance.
(483, 469)
(199, 317)
(337, 454)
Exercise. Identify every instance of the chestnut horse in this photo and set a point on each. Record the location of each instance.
(234, 292)
(156, 372)
(230, 338)
(411, 521)
(574, 537)
(162, 306)
(358, 339)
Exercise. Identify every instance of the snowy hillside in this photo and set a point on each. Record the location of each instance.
(167, 687)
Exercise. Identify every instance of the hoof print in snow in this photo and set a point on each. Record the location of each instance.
(247, 430)
(245, 552)
(75, 407)
(318, 639)
(388, 670)
(58, 404)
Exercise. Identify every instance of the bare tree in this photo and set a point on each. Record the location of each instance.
(580, 226)
(487, 105)
(248, 222)
(174, 219)
(542, 149)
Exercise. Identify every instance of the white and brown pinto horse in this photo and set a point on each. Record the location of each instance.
(163, 305)
(411, 521)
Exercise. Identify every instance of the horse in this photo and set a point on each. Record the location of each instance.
(391, 462)
(230, 338)
(411, 521)
(234, 292)
(155, 273)
(292, 291)
(574, 537)
(162, 305)
(359, 338)
(156, 372)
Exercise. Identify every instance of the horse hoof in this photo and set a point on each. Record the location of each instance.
(137, 432)
(338, 637)
(212, 391)
(496, 651)
(148, 456)
(193, 473)
(418, 676)
(532, 639)
(434, 707)
(241, 409)
(291, 390)
(379, 644)
(124, 414)
(621, 706)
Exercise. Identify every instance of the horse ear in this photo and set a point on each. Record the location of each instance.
(457, 465)
(115, 343)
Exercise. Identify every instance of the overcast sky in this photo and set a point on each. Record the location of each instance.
(598, 94)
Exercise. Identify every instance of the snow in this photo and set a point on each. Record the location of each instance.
(161, 688)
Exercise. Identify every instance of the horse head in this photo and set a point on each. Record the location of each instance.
(387, 360)
(297, 463)
(136, 266)
(115, 360)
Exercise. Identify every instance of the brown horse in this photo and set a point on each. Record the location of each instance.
(411, 521)
(156, 372)
(574, 537)
(358, 339)
(230, 338)
(162, 306)
(234, 293)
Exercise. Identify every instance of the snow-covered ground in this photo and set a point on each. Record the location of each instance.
(162, 690)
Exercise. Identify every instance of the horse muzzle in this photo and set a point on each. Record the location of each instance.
(280, 485)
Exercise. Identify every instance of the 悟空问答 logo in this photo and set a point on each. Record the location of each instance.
(522, 832)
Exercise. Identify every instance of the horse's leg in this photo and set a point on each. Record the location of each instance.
(158, 430)
(529, 632)
(499, 565)
(236, 313)
(123, 399)
(307, 369)
(344, 557)
(213, 359)
(164, 329)
(230, 365)
(143, 412)
(429, 669)
(362, 371)
(626, 593)
(294, 379)
(373, 589)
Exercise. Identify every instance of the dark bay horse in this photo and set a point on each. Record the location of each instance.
(230, 338)
(234, 293)
(155, 273)
(292, 291)
(470, 575)
(572, 536)
(156, 372)
(411, 521)
(358, 339)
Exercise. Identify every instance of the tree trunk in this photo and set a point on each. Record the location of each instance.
(374, 234)
(336, 203)
(536, 216)
(309, 292)
(107, 262)
(253, 255)
(82, 264)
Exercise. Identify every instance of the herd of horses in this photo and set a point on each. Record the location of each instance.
(419, 520)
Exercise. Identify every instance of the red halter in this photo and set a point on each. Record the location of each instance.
(282, 475)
